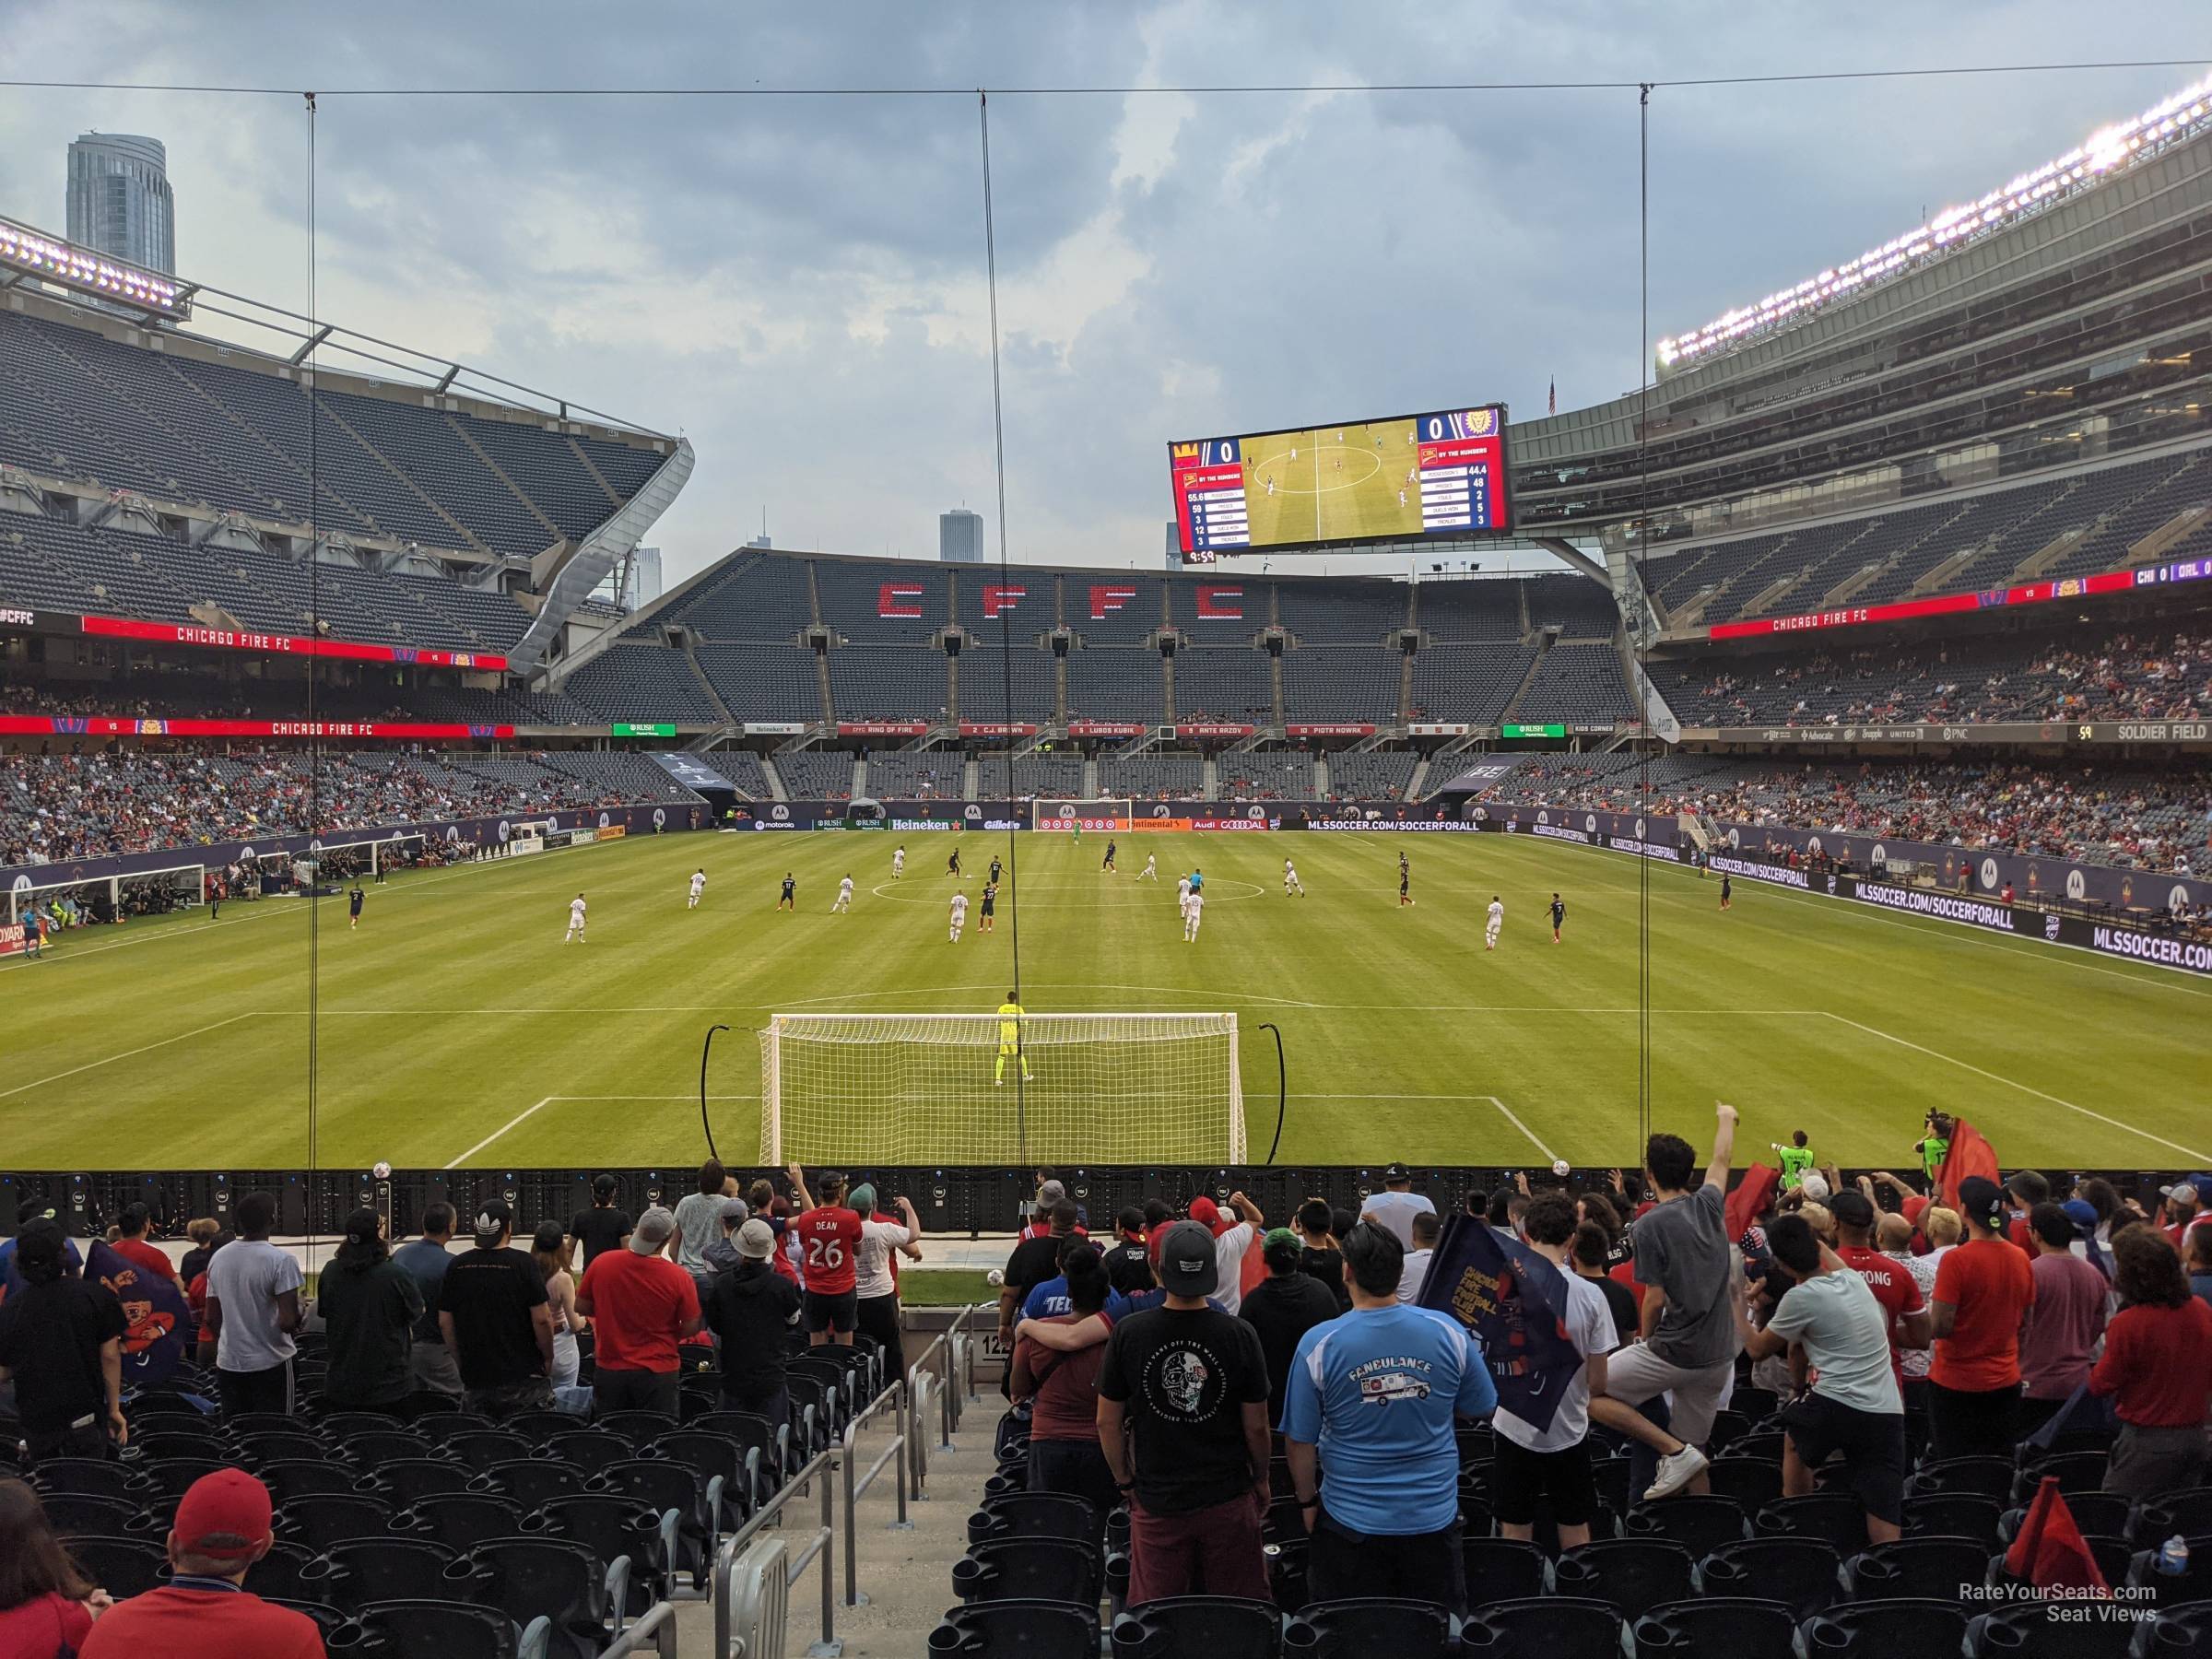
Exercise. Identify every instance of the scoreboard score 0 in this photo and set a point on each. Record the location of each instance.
(1413, 476)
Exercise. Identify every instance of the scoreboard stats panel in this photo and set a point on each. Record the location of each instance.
(1442, 473)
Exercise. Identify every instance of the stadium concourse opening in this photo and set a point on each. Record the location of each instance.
(548, 1030)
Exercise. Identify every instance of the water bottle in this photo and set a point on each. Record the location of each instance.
(2174, 1558)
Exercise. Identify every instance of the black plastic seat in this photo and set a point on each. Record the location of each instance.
(2025, 1631)
(532, 1481)
(1740, 1627)
(322, 1519)
(481, 1448)
(1556, 1626)
(2105, 1513)
(590, 1449)
(1885, 1629)
(263, 1422)
(1954, 1515)
(1839, 1517)
(292, 1478)
(370, 1451)
(334, 1623)
(1502, 1570)
(402, 1629)
(1801, 1571)
(1756, 1405)
(411, 1480)
(717, 1457)
(1914, 1569)
(1753, 1482)
(459, 1521)
(2076, 1472)
(541, 1426)
(94, 1477)
(1029, 1570)
(755, 1433)
(88, 1513)
(554, 1579)
(1219, 1627)
(207, 1443)
(174, 1476)
(639, 1428)
(386, 1568)
(669, 1488)
(121, 1566)
(1761, 1445)
(1361, 1626)
(2193, 1584)
(342, 1426)
(612, 1526)
(269, 1445)
(292, 1571)
(1633, 1575)
(1700, 1523)
(440, 1429)
(1017, 1629)
(1986, 1477)
(2172, 1633)
(1034, 1515)
(2187, 1512)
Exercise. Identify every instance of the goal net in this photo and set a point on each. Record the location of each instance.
(1081, 815)
(946, 1088)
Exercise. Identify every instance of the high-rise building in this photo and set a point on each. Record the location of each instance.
(645, 578)
(961, 536)
(120, 202)
(1174, 546)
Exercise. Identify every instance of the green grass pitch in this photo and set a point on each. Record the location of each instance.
(456, 1025)
(1332, 483)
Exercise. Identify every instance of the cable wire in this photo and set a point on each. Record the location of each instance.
(314, 739)
(1644, 541)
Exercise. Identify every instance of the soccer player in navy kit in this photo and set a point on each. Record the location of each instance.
(1727, 891)
(1108, 865)
(994, 869)
(1559, 917)
(990, 902)
(952, 865)
(1405, 880)
(788, 900)
(353, 906)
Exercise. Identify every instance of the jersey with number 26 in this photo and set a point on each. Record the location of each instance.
(828, 1238)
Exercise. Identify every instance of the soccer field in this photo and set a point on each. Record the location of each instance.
(456, 1027)
(1332, 483)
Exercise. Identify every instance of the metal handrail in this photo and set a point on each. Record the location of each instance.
(895, 1397)
(822, 1544)
(658, 1622)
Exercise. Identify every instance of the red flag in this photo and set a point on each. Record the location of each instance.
(1969, 1155)
(2049, 1553)
(1750, 1197)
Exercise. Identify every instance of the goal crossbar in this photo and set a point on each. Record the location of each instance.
(922, 1089)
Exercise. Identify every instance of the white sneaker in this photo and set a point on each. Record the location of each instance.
(1676, 1470)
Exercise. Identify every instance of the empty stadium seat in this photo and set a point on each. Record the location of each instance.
(1034, 1515)
(1017, 1629)
(1632, 1574)
(1837, 1516)
(389, 1568)
(402, 1629)
(1360, 1626)
(1914, 1569)
(1887, 1630)
(527, 1579)
(1556, 1626)
(1219, 1627)
(1502, 1570)
(1801, 1571)
(2172, 1633)
(1740, 1627)
(2187, 1512)
(1040, 1569)
(1700, 1523)
(121, 1566)
(2026, 1631)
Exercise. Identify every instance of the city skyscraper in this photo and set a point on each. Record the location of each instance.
(645, 578)
(120, 202)
(961, 536)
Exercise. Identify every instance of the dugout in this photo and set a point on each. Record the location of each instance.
(864, 813)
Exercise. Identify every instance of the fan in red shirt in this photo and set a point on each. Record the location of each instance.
(1892, 1286)
(829, 1247)
(642, 1306)
(204, 1611)
(2158, 1357)
(132, 1246)
(1984, 1290)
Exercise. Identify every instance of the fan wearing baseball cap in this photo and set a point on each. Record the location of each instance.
(494, 1316)
(642, 1305)
(206, 1611)
(1984, 1290)
(1396, 1205)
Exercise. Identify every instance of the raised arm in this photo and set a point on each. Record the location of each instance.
(1724, 1148)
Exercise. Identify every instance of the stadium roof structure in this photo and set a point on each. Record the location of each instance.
(2107, 151)
(45, 277)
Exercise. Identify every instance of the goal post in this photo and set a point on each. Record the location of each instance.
(1111, 812)
(946, 1088)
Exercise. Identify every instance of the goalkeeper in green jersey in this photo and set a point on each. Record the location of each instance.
(1009, 1041)
(1935, 1145)
(1796, 1161)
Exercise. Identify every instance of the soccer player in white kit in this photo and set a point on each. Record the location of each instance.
(1182, 897)
(698, 886)
(844, 898)
(1192, 908)
(898, 863)
(1291, 883)
(575, 921)
(1497, 921)
(1151, 870)
(959, 915)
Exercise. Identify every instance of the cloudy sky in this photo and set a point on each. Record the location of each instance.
(796, 282)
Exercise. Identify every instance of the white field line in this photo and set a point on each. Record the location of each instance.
(2189, 1153)
(515, 1122)
(127, 1053)
(1549, 1155)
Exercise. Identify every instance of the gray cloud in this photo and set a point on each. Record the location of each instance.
(796, 282)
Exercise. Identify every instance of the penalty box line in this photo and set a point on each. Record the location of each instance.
(523, 1116)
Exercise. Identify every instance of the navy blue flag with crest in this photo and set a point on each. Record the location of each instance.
(155, 1307)
(1516, 1303)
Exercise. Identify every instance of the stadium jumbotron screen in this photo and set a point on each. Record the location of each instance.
(1411, 476)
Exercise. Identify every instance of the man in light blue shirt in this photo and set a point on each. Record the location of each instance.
(1376, 1393)
(1396, 1205)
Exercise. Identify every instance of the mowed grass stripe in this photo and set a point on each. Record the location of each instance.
(1400, 1028)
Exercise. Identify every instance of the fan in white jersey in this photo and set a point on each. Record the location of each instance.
(898, 864)
(1193, 907)
(575, 921)
(844, 898)
(1151, 870)
(698, 886)
(959, 915)
(1497, 921)
(1291, 883)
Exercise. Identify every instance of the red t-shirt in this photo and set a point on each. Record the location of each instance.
(1892, 1286)
(828, 1242)
(2155, 1364)
(201, 1624)
(139, 1254)
(1067, 1386)
(44, 1623)
(639, 1302)
(1990, 1285)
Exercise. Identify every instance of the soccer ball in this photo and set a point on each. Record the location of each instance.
(1558, 1167)
(383, 1171)
(995, 1279)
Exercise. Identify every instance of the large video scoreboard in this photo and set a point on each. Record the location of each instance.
(1412, 476)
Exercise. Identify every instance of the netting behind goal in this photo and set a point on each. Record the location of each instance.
(927, 1088)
